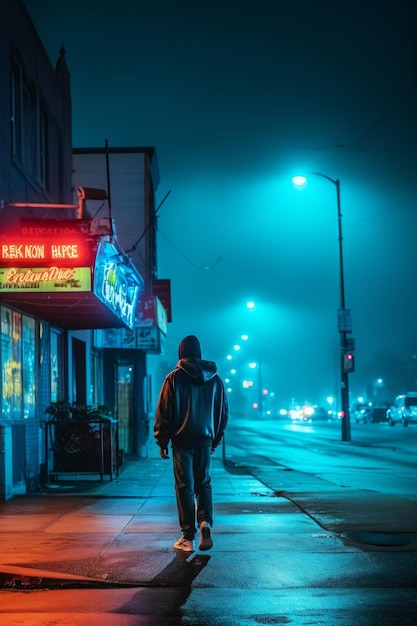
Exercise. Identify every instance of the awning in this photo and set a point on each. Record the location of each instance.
(68, 311)
(72, 274)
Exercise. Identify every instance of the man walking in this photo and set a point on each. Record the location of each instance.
(192, 413)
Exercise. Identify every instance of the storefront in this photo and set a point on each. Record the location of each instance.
(127, 385)
(70, 273)
(59, 280)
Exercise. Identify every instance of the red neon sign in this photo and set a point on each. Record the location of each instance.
(24, 251)
(41, 242)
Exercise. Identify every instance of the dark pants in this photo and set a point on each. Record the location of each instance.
(193, 487)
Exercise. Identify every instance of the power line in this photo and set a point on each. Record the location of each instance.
(383, 117)
(178, 251)
(397, 205)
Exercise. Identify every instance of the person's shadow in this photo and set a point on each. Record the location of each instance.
(164, 595)
(181, 571)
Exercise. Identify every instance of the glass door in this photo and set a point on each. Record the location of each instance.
(124, 405)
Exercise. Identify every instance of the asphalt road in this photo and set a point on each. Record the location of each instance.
(378, 457)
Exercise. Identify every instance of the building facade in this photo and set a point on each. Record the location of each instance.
(71, 297)
(130, 177)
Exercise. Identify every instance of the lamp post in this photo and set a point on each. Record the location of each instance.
(257, 365)
(251, 306)
(343, 315)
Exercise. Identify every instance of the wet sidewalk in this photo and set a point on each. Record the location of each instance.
(287, 545)
(122, 530)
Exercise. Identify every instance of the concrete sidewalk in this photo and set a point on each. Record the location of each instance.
(287, 546)
(122, 531)
(102, 530)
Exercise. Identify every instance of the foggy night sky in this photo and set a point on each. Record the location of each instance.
(238, 97)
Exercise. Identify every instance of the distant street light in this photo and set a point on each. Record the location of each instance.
(344, 318)
(379, 388)
(236, 358)
(251, 306)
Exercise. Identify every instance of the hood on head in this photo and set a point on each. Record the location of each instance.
(189, 348)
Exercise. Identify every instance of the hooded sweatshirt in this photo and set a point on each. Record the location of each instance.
(192, 407)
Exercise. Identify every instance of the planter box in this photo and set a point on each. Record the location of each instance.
(82, 447)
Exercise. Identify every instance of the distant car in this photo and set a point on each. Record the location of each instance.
(395, 411)
(378, 413)
(322, 414)
(410, 409)
(367, 412)
(300, 413)
(361, 412)
(404, 410)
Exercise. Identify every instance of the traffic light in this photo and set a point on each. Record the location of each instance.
(349, 362)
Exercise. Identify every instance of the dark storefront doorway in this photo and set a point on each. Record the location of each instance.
(125, 381)
(79, 371)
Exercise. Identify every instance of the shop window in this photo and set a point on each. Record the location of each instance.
(96, 379)
(79, 371)
(28, 366)
(18, 361)
(57, 366)
(11, 358)
(124, 391)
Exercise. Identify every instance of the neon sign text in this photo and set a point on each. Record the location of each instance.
(115, 292)
(117, 284)
(14, 275)
(38, 251)
(48, 231)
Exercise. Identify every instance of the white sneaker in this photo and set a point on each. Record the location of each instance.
(187, 545)
(206, 542)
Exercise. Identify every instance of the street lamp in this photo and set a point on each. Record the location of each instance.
(343, 314)
(251, 306)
